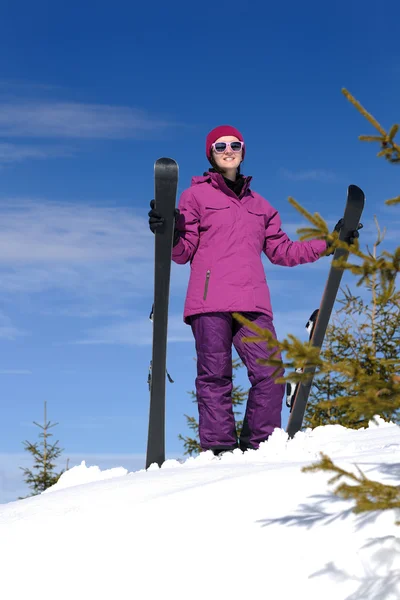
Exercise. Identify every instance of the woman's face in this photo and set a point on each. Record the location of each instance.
(228, 159)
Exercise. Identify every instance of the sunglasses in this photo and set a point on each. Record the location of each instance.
(220, 147)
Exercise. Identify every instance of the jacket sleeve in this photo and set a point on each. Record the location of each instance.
(283, 251)
(188, 227)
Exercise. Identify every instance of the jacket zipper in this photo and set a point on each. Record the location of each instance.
(206, 284)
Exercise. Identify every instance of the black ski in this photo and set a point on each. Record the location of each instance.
(291, 387)
(351, 219)
(166, 183)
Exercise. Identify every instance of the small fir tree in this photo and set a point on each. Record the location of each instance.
(44, 454)
(377, 387)
(191, 444)
(366, 332)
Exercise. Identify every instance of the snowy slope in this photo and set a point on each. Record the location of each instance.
(245, 526)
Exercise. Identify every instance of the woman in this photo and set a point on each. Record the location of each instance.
(222, 227)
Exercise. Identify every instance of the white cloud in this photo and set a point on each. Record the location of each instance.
(13, 87)
(12, 153)
(38, 231)
(79, 312)
(96, 259)
(309, 175)
(48, 119)
(15, 372)
(137, 333)
(85, 262)
(91, 252)
(27, 111)
(7, 329)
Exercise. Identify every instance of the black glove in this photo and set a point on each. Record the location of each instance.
(156, 221)
(349, 239)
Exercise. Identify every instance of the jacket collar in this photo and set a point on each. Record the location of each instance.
(218, 182)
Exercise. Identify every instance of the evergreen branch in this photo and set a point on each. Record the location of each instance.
(320, 231)
(367, 494)
(393, 201)
(393, 132)
(366, 114)
(191, 445)
(390, 150)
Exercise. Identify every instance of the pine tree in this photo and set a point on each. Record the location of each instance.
(192, 444)
(367, 388)
(44, 454)
(366, 332)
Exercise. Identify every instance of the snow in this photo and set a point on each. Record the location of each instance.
(246, 525)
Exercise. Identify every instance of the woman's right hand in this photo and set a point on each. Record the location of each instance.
(156, 221)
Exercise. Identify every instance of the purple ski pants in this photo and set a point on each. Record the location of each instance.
(214, 335)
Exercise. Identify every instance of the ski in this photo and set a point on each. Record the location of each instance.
(165, 183)
(351, 219)
(291, 387)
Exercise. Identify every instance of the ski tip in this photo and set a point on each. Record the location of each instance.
(355, 191)
(165, 162)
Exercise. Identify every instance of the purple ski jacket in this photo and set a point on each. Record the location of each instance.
(223, 237)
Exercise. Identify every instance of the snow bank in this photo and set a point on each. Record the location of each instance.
(82, 474)
(247, 525)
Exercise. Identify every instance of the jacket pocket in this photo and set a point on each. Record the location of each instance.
(254, 213)
(216, 216)
(256, 222)
(206, 284)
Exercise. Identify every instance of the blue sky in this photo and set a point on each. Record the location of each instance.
(91, 94)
